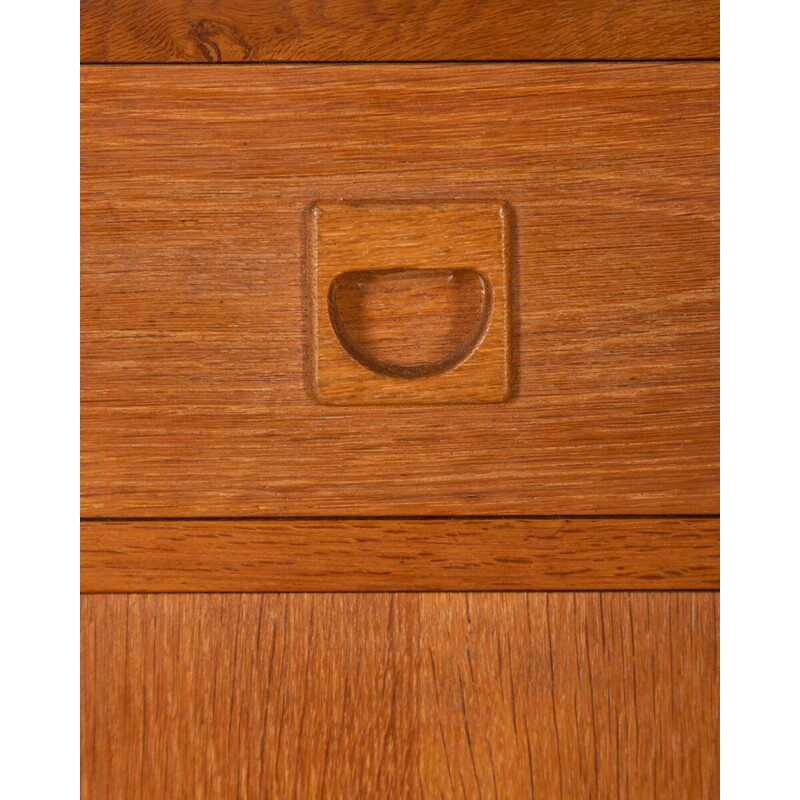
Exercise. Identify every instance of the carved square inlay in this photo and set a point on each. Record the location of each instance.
(410, 301)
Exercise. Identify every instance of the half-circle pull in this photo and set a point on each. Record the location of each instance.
(410, 323)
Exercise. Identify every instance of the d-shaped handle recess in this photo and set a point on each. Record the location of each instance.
(410, 323)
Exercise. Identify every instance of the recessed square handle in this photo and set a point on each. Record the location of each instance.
(410, 301)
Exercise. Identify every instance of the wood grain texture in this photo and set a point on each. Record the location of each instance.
(195, 350)
(408, 321)
(517, 695)
(396, 30)
(399, 554)
(410, 241)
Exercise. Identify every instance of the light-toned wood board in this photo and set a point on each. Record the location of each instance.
(399, 554)
(412, 240)
(196, 389)
(400, 30)
(400, 696)
(571, 696)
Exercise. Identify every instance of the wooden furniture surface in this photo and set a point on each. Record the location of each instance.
(515, 695)
(196, 390)
(383, 554)
(396, 30)
(536, 612)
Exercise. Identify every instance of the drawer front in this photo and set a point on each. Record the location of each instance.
(164, 31)
(197, 314)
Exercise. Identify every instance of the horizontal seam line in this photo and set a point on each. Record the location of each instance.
(701, 60)
(389, 517)
(699, 589)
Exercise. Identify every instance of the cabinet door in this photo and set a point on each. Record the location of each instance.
(501, 695)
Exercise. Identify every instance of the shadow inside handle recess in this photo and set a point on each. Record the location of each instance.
(410, 323)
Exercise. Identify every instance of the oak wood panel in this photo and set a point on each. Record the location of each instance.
(399, 554)
(196, 388)
(396, 30)
(570, 696)
(517, 695)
